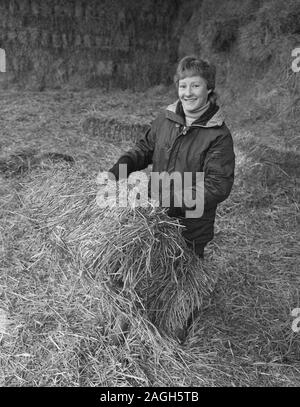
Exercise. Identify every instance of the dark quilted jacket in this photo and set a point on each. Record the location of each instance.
(206, 146)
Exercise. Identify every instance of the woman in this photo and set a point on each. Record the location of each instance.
(190, 136)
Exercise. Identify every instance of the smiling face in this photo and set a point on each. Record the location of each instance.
(193, 92)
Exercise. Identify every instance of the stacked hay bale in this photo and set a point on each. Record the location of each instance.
(23, 161)
(138, 253)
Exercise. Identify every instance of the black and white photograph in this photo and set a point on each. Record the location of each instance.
(149, 196)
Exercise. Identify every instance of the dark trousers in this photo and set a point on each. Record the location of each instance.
(198, 248)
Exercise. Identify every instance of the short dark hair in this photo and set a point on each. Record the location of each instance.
(191, 65)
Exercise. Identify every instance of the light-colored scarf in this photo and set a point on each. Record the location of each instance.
(190, 117)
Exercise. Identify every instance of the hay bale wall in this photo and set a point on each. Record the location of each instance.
(105, 42)
(134, 44)
(251, 43)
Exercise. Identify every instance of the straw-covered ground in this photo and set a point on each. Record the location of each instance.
(58, 317)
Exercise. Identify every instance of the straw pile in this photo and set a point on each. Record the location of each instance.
(141, 255)
(138, 253)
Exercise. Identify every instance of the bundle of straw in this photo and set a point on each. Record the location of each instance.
(138, 253)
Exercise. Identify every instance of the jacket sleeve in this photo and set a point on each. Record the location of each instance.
(218, 169)
(140, 156)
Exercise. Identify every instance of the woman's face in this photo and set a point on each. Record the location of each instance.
(192, 92)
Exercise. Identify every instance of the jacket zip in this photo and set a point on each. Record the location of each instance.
(182, 133)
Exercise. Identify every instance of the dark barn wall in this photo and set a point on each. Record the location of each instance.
(123, 43)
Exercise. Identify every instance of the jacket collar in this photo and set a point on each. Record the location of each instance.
(213, 117)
